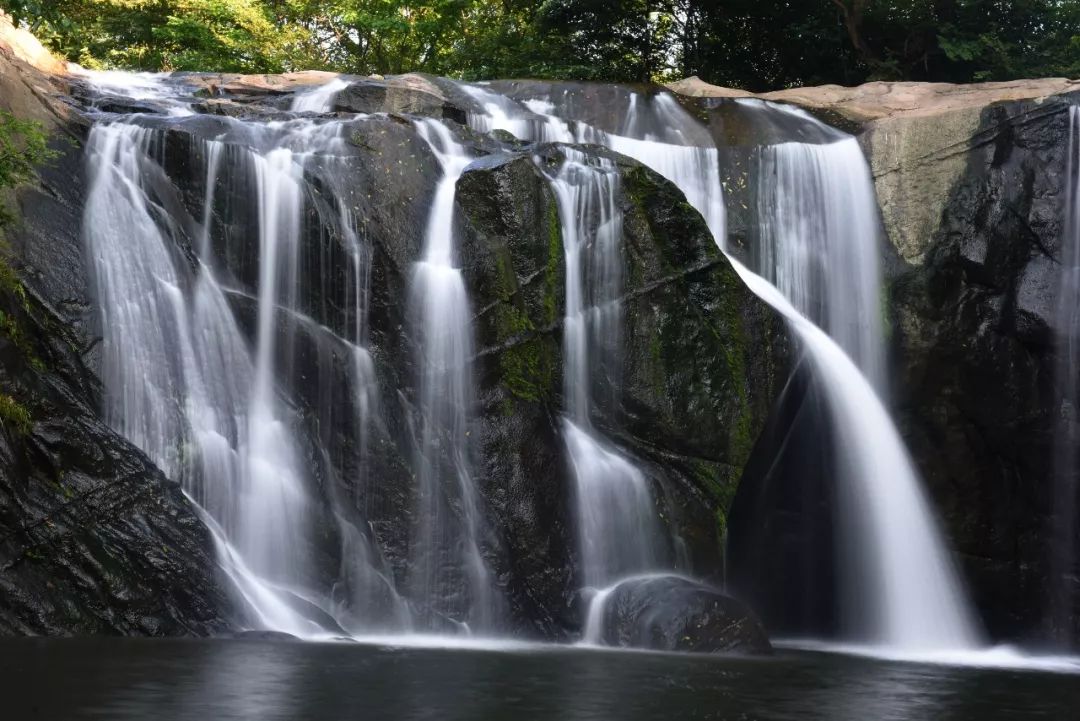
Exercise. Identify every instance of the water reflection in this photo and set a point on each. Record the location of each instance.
(219, 680)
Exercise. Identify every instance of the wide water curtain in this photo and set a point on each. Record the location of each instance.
(201, 301)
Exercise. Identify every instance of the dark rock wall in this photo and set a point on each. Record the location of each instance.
(976, 392)
(699, 371)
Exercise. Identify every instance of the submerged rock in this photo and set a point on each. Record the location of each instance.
(671, 613)
(265, 636)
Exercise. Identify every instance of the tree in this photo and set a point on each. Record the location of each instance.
(752, 44)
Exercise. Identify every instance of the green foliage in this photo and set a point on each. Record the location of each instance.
(754, 44)
(13, 416)
(23, 147)
(221, 35)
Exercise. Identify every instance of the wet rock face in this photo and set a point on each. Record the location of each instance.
(976, 389)
(697, 376)
(669, 613)
(93, 538)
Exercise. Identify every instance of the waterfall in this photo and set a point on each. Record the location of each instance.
(900, 588)
(616, 517)
(819, 236)
(319, 99)
(1065, 534)
(449, 520)
(183, 382)
(201, 369)
(181, 395)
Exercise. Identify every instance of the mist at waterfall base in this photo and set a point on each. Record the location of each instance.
(215, 412)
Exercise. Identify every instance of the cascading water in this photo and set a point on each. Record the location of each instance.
(618, 531)
(900, 589)
(211, 439)
(218, 413)
(447, 542)
(181, 381)
(819, 236)
(319, 99)
(1065, 534)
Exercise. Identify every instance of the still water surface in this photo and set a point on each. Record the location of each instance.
(120, 679)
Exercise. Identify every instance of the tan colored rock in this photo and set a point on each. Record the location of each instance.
(23, 45)
(916, 137)
(695, 87)
(32, 80)
(873, 101)
(261, 84)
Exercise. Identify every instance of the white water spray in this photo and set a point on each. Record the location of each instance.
(319, 99)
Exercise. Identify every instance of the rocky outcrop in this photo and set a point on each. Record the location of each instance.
(977, 355)
(670, 613)
(93, 538)
(971, 184)
(915, 135)
(700, 367)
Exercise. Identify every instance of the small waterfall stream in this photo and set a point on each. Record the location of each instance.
(618, 530)
(819, 241)
(447, 401)
(319, 99)
(1065, 534)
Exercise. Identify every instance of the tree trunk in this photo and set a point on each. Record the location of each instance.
(853, 17)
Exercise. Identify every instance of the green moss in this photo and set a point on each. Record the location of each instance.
(731, 336)
(23, 147)
(721, 524)
(526, 365)
(554, 262)
(14, 416)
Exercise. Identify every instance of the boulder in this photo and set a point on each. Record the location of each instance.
(402, 94)
(702, 363)
(671, 613)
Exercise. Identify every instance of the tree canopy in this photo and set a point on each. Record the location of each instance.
(752, 44)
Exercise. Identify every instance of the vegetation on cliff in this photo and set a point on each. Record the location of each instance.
(753, 44)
